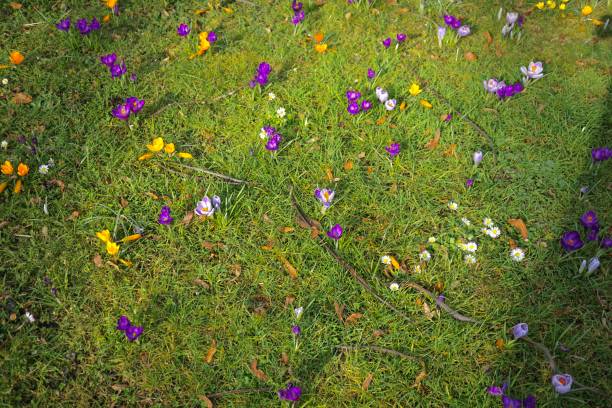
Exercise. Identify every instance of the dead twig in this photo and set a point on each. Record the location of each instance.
(441, 304)
(380, 350)
(547, 354)
(348, 267)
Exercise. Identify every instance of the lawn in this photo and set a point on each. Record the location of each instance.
(238, 298)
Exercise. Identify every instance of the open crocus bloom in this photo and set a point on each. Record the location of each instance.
(325, 196)
(381, 94)
(562, 383)
(205, 207)
(534, 70)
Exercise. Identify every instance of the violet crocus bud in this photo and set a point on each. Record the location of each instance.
(520, 330)
(477, 157)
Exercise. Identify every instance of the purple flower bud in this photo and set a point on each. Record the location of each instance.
(469, 183)
(211, 37)
(477, 157)
(371, 73)
(291, 393)
(183, 30)
(335, 232)
(387, 42)
(366, 105)
(109, 59)
(63, 25)
(123, 323)
(164, 216)
(401, 37)
(121, 112)
(353, 95)
(296, 330)
(520, 330)
(393, 149)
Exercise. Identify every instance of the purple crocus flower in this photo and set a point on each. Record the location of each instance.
(118, 70)
(123, 323)
(601, 154)
(82, 26)
(592, 234)
(517, 88)
(371, 73)
(469, 183)
(496, 390)
(441, 33)
(211, 37)
(108, 59)
(135, 104)
(216, 202)
(464, 31)
(122, 112)
(387, 42)
(352, 95)
(606, 242)
(264, 68)
(133, 77)
(183, 30)
(492, 85)
(571, 241)
(353, 108)
(520, 330)
(63, 25)
(204, 208)
(94, 25)
(261, 75)
(164, 216)
(562, 383)
(291, 393)
(335, 232)
(366, 105)
(589, 219)
(509, 402)
(393, 149)
(298, 17)
(449, 20)
(296, 6)
(296, 330)
(529, 402)
(401, 37)
(456, 24)
(273, 142)
(325, 196)
(133, 332)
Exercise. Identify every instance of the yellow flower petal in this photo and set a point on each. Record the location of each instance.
(402, 106)
(597, 22)
(156, 145)
(7, 168)
(414, 89)
(131, 238)
(111, 3)
(3, 186)
(169, 148)
(106, 18)
(16, 57)
(146, 156)
(185, 155)
(320, 48)
(126, 262)
(425, 104)
(104, 235)
(23, 170)
(228, 10)
(18, 186)
(540, 5)
(112, 248)
(394, 262)
(586, 10)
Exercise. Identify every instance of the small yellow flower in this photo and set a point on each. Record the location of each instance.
(402, 106)
(156, 145)
(104, 235)
(16, 57)
(562, 6)
(414, 89)
(106, 18)
(131, 238)
(320, 48)
(3, 186)
(111, 3)
(586, 10)
(540, 5)
(169, 148)
(112, 248)
(146, 156)
(394, 262)
(18, 186)
(7, 168)
(551, 4)
(425, 104)
(204, 44)
(228, 10)
(185, 155)
(23, 170)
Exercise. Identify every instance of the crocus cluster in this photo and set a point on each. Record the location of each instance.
(400, 38)
(116, 70)
(354, 105)
(131, 332)
(132, 105)
(207, 207)
(572, 241)
(272, 137)
(164, 216)
(601, 153)
(513, 19)
(291, 393)
(454, 23)
(383, 97)
(509, 402)
(261, 75)
(84, 27)
(502, 90)
(298, 12)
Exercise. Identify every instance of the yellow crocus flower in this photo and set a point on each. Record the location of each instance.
(146, 156)
(156, 145)
(540, 5)
(126, 262)
(425, 104)
(562, 6)
(185, 155)
(7, 168)
(586, 10)
(169, 148)
(551, 4)
(111, 3)
(18, 186)
(3, 186)
(131, 238)
(112, 248)
(320, 48)
(23, 170)
(414, 89)
(16, 57)
(104, 235)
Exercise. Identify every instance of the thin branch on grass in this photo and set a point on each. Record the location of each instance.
(226, 178)
(347, 266)
(441, 304)
(239, 391)
(380, 350)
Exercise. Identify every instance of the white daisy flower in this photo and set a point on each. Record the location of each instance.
(271, 96)
(469, 259)
(453, 206)
(517, 254)
(471, 246)
(425, 255)
(431, 240)
(30, 317)
(4, 81)
(484, 230)
(43, 169)
(4, 144)
(465, 221)
(494, 232)
(394, 286)
(386, 259)
(280, 112)
(487, 222)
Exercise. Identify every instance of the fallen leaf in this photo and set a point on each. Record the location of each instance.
(97, 260)
(488, 37)
(152, 195)
(520, 226)
(287, 230)
(257, 372)
(381, 120)
(470, 56)
(450, 151)
(211, 351)
(348, 165)
(208, 245)
(427, 310)
(206, 401)
(123, 202)
(21, 98)
(200, 282)
(361, 155)
(433, 143)
(58, 183)
(12, 317)
(187, 218)
(500, 344)
(236, 269)
(366, 383)
(439, 286)
(314, 232)
(284, 358)
(347, 16)
(289, 299)
(512, 243)
(328, 174)
(352, 318)
(339, 311)
(74, 215)
(378, 333)
(288, 267)
(118, 387)
(419, 379)
(15, 6)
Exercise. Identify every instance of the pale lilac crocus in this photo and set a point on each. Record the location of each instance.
(477, 157)
(493, 85)
(511, 17)
(205, 207)
(390, 104)
(534, 70)
(520, 330)
(562, 383)
(381, 94)
(216, 202)
(325, 196)
(464, 31)
(594, 263)
(441, 33)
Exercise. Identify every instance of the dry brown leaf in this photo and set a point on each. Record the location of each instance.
(352, 318)
(4, 223)
(328, 174)
(12, 316)
(500, 344)
(470, 56)
(498, 50)
(267, 247)
(348, 165)
(152, 195)
(284, 358)
(58, 183)
(97, 260)
(123, 202)
(257, 372)
(314, 232)
(370, 169)
(206, 401)
(378, 333)
(361, 155)
(381, 120)
(520, 226)
(433, 143)
(187, 218)
(200, 282)
(339, 311)
(450, 151)
(289, 299)
(366, 383)
(118, 387)
(488, 37)
(236, 269)
(15, 6)
(439, 287)
(288, 267)
(74, 215)
(419, 379)
(208, 245)
(427, 310)
(512, 243)
(287, 230)
(21, 98)
(211, 351)
(302, 222)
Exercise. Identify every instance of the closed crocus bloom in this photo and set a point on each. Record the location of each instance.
(185, 155)
(353, 108)
(425, 103)
(520, 330)
(112, 248)
(562, 383)
(7, 168)
(401, 37)
(512, 17)
(216, 202)
(123, 323)
(63, 25)
(393, 149)
(169, 148)
(371, 73)
(390, 104)
(387, 42)
(491, 85)
(352, 95)
(464, 31)
(133, 332)
(16, 57)
(586, 10)
(583, 266)
(593, 265)
(22, 170)
(104, 236)
(211, 37)
(183, 30)
(156, 145)
(441, 33)
(335, 232)
(108, 59)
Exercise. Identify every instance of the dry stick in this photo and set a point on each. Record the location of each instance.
(441, 304)
(547, 354)
(239, 391)
(380, 350)
(348, 267)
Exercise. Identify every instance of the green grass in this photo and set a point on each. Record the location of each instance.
(73, 356)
